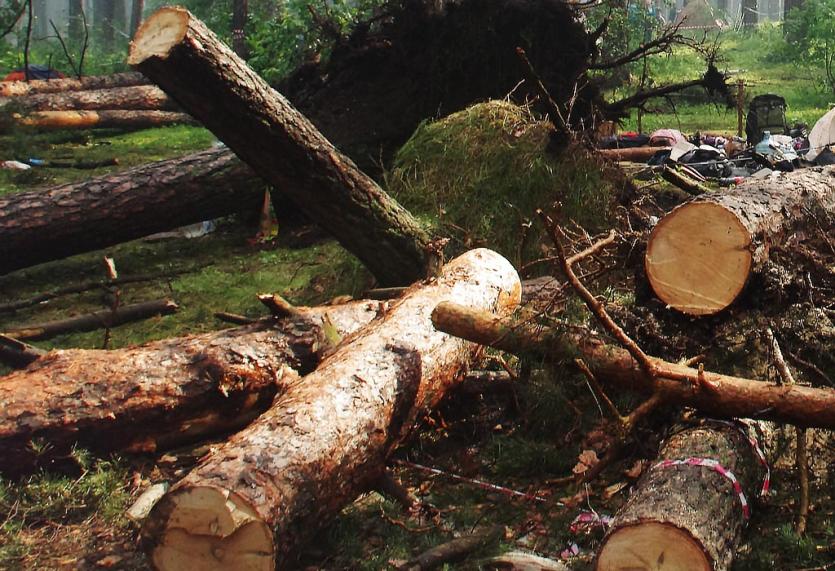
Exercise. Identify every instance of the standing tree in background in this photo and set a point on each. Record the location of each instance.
(240, 13)
(103, 12)
(749, 13)
(137, 8)
(76, 21)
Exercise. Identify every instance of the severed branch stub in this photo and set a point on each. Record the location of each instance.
(801, 459)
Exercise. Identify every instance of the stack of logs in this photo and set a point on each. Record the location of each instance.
(119, 101)
(314, 445)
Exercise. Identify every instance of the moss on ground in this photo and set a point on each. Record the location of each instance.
(479, 175)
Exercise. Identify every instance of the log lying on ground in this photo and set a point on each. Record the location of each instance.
(161, 394)
(701, 255)
(689, 517)
(19, 88)
(105, 119)
(712, 393)
(17, 354)
(636, 154)
(181, 55)
(96, 320)
(137, 97)
(42, 225)
(256, 498)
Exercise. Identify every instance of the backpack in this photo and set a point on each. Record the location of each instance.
(765, 113)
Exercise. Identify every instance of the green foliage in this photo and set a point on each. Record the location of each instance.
(481, 173)
(810, 33)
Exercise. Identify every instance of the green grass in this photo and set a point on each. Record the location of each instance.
(130, 149)
(757, 57)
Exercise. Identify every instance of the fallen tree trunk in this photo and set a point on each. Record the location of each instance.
(712, 393)
(254, 500)
(105, 119)
(137, 97)
(16, 354)
(97, 320)
(19, 88)
(701, 255)
(160, 394)
(42, 225)
(181, 55)
(635, 154)
(689, 515)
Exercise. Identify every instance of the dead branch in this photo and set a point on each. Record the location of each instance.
(557, 116)
(683, 182)
(453, 550)
(17, 354)
(660, 45)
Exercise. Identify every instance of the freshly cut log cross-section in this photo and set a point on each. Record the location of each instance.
(252, 501)
(701, 255)
(687, 517)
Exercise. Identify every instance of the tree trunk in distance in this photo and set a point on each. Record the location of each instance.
(255, 499)
(133, 98)
(103, 319)
(690, 517)
(104, 119)
(700, 255)
(104, 11)
(90, 82)
(240, 14)
(181, 55)
(161, 394)
(137, 8)
(42, 225)
(750, 18)
(75, 25)
(711, 393)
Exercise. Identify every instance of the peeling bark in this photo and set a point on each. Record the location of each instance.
(137, 97)
(160, 394)
(18, 88)
(254, 500)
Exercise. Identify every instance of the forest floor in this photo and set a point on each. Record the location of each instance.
(526, 439)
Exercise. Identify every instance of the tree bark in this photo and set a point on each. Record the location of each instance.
(254, 500)
(19, 88)
(160, 394)
(136, 98)
(636, 154)
(105, 119)
(712, 393)
(690, 517)
(701, 255)
(42, 225)
(137, 8)
(240, 14)
(181, 55)
(97, 320)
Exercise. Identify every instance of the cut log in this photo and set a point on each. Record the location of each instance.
(137, 97)
(712, 393)
(18, 88)
(255, 499)
(684, 182)
(635, 154)
(701, 255)
(687, 517)
(181, 55)
(41, 225)
(161, 394)
(105, 318)
(105, 119)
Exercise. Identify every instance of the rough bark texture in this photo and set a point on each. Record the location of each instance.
(187, 60)
(18, 88)
(701, 255)
(105, 119)
(687, 517)
(271, 486)
(92, 321)
(135, 97)
(637, 154)
(712, 393)
(160, 394)
(42, 225)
